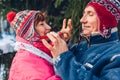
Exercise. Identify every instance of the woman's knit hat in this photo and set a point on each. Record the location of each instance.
(23, 23)
(108, 12)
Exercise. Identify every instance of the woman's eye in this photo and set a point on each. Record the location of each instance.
(41, 24)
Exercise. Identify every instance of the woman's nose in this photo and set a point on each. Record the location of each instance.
(48, 27)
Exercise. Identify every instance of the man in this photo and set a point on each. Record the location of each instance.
(98, 58)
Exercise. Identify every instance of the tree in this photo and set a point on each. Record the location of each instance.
(56, 10)
(71, 9)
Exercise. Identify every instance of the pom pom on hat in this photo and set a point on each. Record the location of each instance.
(10, 16)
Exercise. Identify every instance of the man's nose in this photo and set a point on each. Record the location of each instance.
(83, 19)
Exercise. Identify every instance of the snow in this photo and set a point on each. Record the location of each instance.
(7, 43)
(2, 71)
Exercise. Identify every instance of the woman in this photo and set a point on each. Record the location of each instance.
(33, 61)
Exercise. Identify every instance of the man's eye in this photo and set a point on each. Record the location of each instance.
(91, 14)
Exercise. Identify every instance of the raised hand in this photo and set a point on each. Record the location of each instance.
(66, 29)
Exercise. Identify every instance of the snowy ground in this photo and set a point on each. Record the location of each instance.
(7, 44)
(2, 71)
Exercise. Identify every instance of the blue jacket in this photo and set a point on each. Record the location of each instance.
(100, 61)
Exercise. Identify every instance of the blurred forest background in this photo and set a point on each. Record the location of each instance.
(56, 11)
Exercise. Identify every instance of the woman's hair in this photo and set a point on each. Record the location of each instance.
(39, 17)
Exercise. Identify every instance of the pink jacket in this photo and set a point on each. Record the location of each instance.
(27, 66)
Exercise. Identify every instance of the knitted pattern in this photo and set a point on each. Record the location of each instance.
(23, 23)
(108, 12)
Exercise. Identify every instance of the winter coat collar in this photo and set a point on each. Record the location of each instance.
(98, 39)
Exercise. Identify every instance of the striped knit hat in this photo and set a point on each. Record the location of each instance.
(23, 23)
(108, 12)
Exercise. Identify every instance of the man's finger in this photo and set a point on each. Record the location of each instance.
(64, 24)
(70, 24)
(47, 44)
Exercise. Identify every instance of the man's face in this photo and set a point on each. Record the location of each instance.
(90, 21)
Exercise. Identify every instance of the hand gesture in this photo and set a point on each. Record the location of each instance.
(66, 29)
(59, 45)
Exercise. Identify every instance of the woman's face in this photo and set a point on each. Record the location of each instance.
(90, 21)
(42, 28)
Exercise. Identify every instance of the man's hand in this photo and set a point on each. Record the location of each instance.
(59, 45)
(66, 29)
